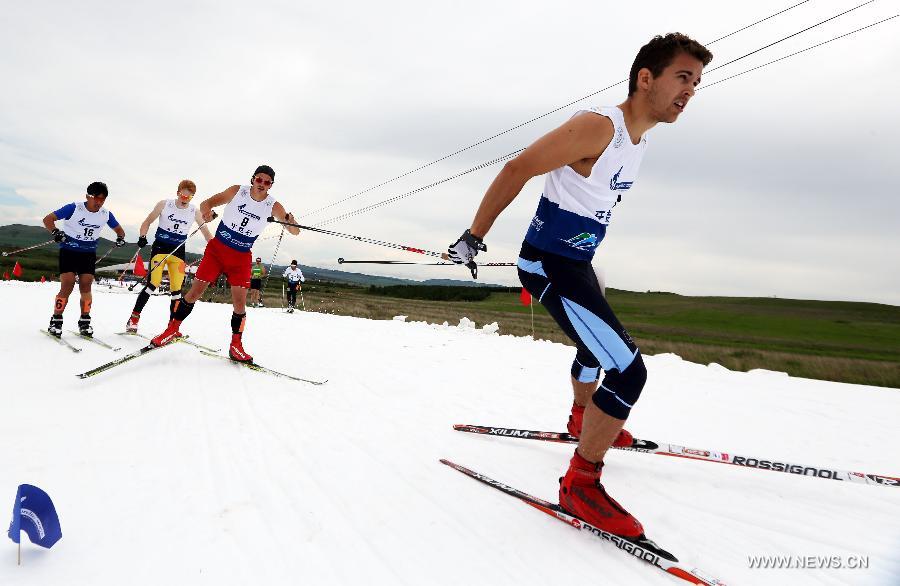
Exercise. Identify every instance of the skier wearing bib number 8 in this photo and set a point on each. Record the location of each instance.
(247, 209)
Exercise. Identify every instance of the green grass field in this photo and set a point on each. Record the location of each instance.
(838, 341)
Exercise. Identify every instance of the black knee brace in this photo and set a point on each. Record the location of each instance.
(176, 296)
(619, 391)
(182, 309)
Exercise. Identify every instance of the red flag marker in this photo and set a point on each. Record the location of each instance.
(139, 269)
(17, 270)
(525, 297)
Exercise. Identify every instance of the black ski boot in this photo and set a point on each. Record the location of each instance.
(56, 326)
(84, 326)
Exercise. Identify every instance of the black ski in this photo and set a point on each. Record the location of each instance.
(62, 342)
(136, 354)
(182, 338)
(263, 369)
(641, 548)
(96, 341)
(706, 455)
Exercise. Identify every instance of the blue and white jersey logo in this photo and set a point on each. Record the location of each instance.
(242, 210)
(583, 241)
(616, 185)
(84, 224)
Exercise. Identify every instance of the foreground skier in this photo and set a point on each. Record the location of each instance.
(590, 162)
(247, 209)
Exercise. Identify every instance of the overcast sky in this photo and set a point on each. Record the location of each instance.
(784, 181)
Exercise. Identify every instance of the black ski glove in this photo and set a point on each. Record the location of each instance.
(464, 250)
(120, 241)
(142, 241)
(58, 235)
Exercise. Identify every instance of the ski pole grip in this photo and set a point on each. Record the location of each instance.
(473, 267)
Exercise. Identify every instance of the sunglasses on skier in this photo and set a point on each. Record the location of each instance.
(261, 181)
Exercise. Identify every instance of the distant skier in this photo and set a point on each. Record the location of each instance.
(247, 209)
(590, 162)
(78, 251)
(294, 277)
(176, 216)
(257, 274)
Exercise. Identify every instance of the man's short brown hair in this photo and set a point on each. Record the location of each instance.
(659, 53)
(189, 185)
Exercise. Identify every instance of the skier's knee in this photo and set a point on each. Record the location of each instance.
(585, 368)
(620, 390)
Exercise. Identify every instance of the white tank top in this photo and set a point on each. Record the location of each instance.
(174, 222)
(244, 219)
(83, 228)
(574, 211)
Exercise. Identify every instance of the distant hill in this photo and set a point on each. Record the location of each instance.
(19, 236)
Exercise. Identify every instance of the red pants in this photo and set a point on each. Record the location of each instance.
(220, 258)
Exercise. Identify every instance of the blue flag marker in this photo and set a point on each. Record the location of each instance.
(35, 514)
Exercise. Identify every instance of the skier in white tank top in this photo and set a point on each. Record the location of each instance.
(247, 210)
(591, 162)
(175, 218)
(82, 224)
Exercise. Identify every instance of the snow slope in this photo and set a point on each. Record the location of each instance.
(182, 469)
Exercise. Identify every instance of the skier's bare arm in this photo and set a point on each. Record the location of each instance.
(204, 226)
(50, 221)
(151, 217)
(279, 214)
(578, 143)
(217, 200)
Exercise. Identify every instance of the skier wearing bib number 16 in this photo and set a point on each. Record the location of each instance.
(247, 209)
(78, 251)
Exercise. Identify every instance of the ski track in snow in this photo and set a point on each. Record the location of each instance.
(178, 468)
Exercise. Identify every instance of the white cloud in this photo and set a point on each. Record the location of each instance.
(778, 182)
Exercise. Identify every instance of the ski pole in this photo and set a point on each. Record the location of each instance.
(302, 301)
(401, 262)
(12, 252)
(105, 254)
(443, 255)
(269, 272)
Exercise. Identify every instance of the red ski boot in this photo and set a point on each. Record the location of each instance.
(132, 325)
(582, 495)
(236, 351)
(171, 333)
(576, 418)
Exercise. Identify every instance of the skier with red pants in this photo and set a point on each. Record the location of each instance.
(247, 209)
